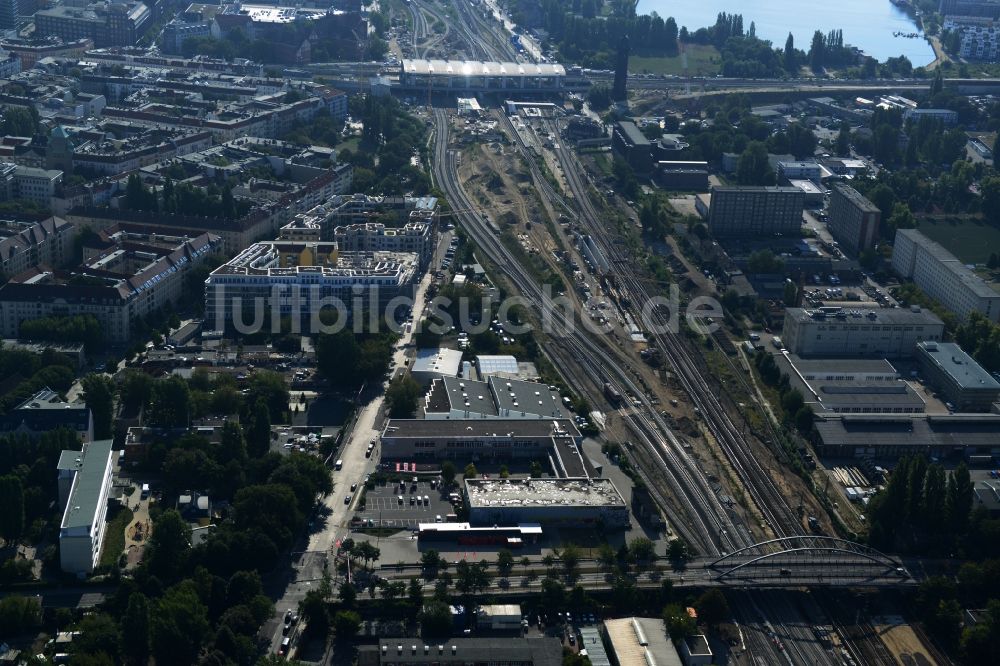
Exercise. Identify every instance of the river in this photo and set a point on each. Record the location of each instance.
(867, 24)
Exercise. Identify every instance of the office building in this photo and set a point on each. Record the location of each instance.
(854, 220)
(962, 382)
(883, 333)
(45, 411)
(488, 651)
(682, 175)
(130, 274)
(10, 11)
(36, 185)
(979, 8)
(572, 502)
(756, 211)
(629, 143)
(944, 116)
(942, 276)
(81, 532)
(799, 170)
(105, 23)
(297, 280)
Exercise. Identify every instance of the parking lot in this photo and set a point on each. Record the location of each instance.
(384, 508)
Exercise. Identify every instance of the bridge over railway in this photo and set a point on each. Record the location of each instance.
(820, 560)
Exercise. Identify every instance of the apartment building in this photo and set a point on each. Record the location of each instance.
(945, 116)
(137, 275)
(836, 332)
(942, 276)
(107, 24)
(81, 532)
(854, 219)
(48, 242)
(37, 185)
(755, 211)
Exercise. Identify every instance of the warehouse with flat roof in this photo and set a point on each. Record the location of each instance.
(480, 76)
(573, 502)
(882, 333)
(891, 436)
(963, 382)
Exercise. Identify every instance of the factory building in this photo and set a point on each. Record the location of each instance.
(479, 76)
(497, 397)
(755, 211)
(475, 651)
(854, 220)
(640, 641)
(965, 384)
(433, 364)
(572, 502)
(942, 276)
(884, 333)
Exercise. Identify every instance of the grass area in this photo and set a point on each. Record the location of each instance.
(114, 538)
(350, 144)
(702, 60)
(970, 239)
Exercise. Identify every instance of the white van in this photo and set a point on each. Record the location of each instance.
(145, 491)
(338, 465)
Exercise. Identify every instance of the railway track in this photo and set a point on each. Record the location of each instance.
(576, 355)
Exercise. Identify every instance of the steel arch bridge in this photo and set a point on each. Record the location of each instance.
(806, 557)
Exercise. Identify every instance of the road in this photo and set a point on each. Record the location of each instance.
(332, 518)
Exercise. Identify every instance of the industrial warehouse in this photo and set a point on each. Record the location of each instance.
(563, 502)
(480, 76)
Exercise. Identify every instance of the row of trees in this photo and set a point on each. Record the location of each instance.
(214, 200)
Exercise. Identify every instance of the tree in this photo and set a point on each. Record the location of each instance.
(789, 57)
(753, 167)
(470, 471)
(843, 146)
(346, 624)
(606, 556)
(642, 549)
(313, 608)
(170, 403)
(553, 593)
(415, 593)
(179, 626)
(901, 218)
(817, 51)
(12, 501)
(168, 546)
(677, 552)
(713, 607)
(19, 614)
(680, 625)
(367, 551)
(430, 560)
(348, 595)
(448, 472)
(435, 619)
(258, 430)
(993, 262)
(99, 394)
(19, 121)
(570, 558)
(135, 629)
(403, 396)
(505, 562)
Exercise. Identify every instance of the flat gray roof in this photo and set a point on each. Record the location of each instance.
(528, 397)
(477, 428)
(869, 393)
(874, 365)
(461, 394)
(863, 430)
(890, 316)
(856, 198)
(85, 497)
(958, 365)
